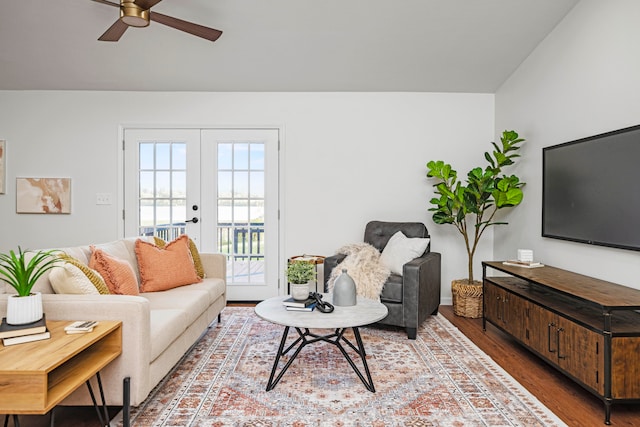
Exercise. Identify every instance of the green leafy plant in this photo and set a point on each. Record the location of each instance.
(22, 274)
(300, 272)
(471, 206)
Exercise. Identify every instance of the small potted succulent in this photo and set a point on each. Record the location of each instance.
(22, 274)
(299, 274)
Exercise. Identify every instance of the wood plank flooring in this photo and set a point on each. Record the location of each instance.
(574, 405)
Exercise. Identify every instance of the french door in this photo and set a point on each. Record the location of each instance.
(219, 186)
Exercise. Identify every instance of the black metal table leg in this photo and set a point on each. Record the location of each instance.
(272, 383)
(95, 403)
(335, 338)
(126, 402)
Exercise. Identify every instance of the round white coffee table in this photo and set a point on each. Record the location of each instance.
(365, 312)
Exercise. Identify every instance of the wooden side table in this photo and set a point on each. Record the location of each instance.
(37, 376)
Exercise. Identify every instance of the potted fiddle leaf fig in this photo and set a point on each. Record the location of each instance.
(22, 273)
(471, 205)
(299, 274)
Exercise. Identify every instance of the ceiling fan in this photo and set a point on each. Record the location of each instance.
(137, 13)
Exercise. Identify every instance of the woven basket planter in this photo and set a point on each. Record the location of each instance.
(467, 299)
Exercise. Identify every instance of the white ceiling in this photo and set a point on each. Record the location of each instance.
(276, 45)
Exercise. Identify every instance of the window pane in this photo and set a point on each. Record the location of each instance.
(256, 211)
(179, 157)
(257, 156)
(224, 211)
(257, 185)
(179, 185)
(146, 213)
(146, 156)
(163, 212)
(162, 184)
(224, 184)
(179, 211)
(146, 184)
(240, 211)
(241, 156)
(225, 156)
(163, 155)
(241, 184)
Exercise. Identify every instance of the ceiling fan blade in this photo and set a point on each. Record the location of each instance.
(188, 27)
(114, 32)
(110, 3)
(147, 4)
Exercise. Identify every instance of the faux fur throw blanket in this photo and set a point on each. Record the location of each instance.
(365, 268)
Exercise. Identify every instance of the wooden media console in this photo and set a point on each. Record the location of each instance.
(587, 328)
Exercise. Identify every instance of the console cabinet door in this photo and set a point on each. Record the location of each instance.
(515, 308)
(541, 327)
(493, 303)
(581, 353)
(505, 310)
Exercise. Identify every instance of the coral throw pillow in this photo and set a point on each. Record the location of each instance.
(195, 255)
(117, 273)
(165, 268)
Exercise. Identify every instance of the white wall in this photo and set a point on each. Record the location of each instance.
(582, 80)
(347, 158)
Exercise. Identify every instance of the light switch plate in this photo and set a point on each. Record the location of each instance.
(103, 198)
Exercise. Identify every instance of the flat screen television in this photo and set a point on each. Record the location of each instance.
(591, 190)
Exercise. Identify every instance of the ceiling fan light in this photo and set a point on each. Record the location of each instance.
(133, 15)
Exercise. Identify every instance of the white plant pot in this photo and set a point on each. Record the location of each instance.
(300, 291)
(22, 310)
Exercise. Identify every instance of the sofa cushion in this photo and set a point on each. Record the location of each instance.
(165, 268)
(392, 291)
(213, 286)
(117, 273)
(192, 301)
(166, 326)
(400, 250)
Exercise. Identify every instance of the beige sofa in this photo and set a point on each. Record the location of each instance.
(158, 327)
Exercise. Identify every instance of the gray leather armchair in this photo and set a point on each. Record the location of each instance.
(413, 296)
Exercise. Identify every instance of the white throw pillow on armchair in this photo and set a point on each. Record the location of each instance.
(401, 249)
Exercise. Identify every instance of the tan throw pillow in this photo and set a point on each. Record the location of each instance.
(94, 277)
(193, 249)
(117, 273)
(66, 278)
(195, 257)
(165, 268)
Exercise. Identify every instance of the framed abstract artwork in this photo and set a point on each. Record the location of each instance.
(3, 166)
(43, 195)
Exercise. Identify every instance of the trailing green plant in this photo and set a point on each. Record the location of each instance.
(472, 205)
(300, 272)
(22, 274)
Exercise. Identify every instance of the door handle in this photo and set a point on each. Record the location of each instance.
(558, 343)
(193, 220)
(549, 326)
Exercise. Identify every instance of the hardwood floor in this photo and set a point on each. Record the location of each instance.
(574, 405)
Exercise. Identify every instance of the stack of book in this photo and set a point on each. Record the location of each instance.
(525, 264)
(299, 305)
(28, 332)
(80, 327)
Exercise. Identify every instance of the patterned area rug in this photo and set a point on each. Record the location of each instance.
(440, 379)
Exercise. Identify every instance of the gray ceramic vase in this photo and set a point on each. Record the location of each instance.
(344, 290)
